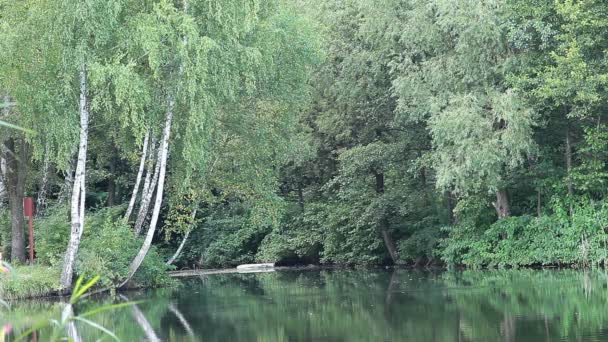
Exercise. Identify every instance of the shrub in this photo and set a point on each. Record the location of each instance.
(52, 233)
(421, 244)
(560, 238)
(107, 248)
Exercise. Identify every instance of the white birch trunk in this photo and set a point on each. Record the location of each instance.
(162, 167)
(150, 165)
(67, 316)
(183, 243)
(181, 319)
(140, 172)
(78, 190)
(3, 182)
(3, 193)
(163, 152)
(147, 196)
(143, 322)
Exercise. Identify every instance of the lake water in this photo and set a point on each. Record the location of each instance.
(357, 305)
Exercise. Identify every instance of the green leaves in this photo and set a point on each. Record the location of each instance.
(79, 288)
(478, 138)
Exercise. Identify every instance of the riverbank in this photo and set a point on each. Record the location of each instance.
(29, 282)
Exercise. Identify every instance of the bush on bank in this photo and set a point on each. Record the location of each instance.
(107, 249)
(579, 239)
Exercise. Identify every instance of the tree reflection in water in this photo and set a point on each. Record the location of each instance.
(358, 305)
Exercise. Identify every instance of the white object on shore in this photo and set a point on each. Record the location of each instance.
(269, 267)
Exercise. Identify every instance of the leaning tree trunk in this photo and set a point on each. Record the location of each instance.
(146, 200)
(181, 319)
(502, 204)
(183, 243)
(78, 191)
(150, 165)
(143, 322)
(383, 224)
(162, 160)
(140, 172)
(15, 184)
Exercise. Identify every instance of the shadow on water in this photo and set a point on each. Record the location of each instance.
(356, 305)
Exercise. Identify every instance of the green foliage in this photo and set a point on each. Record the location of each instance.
(29, 282)
(320, 131)
(107, 250)
(554, 239)
(300, 240)
(108, 246)
(52, 234)
(422, 244)
(5, 232)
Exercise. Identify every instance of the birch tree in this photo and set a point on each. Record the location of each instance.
(188, 47)
(63, 48)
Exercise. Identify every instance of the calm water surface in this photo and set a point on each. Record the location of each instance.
(360, 305)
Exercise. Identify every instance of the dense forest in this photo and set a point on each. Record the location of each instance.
(165, 134)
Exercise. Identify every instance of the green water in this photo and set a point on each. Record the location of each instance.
(358, 305)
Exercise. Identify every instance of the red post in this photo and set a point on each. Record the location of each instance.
(28, 211)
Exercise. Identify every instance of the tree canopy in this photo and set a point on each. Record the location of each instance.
(333, 131)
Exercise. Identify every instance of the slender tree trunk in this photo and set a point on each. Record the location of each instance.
(78, 191)
(44, 184)
(162, 160)
(150, 165)
(68, 183)
(390, 292)
(143, 322)
(181, 319)
(3, 166)
(502, 204)
(568, 156)
(383, 224)
(144, 208)
(508, 325)
(67, 316)
(15, 177)
(112, 179)
(3, 192)
(183, 243)
(3, 172)
(140, 172)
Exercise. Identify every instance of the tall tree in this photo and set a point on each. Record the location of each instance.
(451, 74)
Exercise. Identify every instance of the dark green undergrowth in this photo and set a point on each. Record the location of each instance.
(579, 239)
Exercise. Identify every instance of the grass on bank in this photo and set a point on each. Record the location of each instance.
(28, 282)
